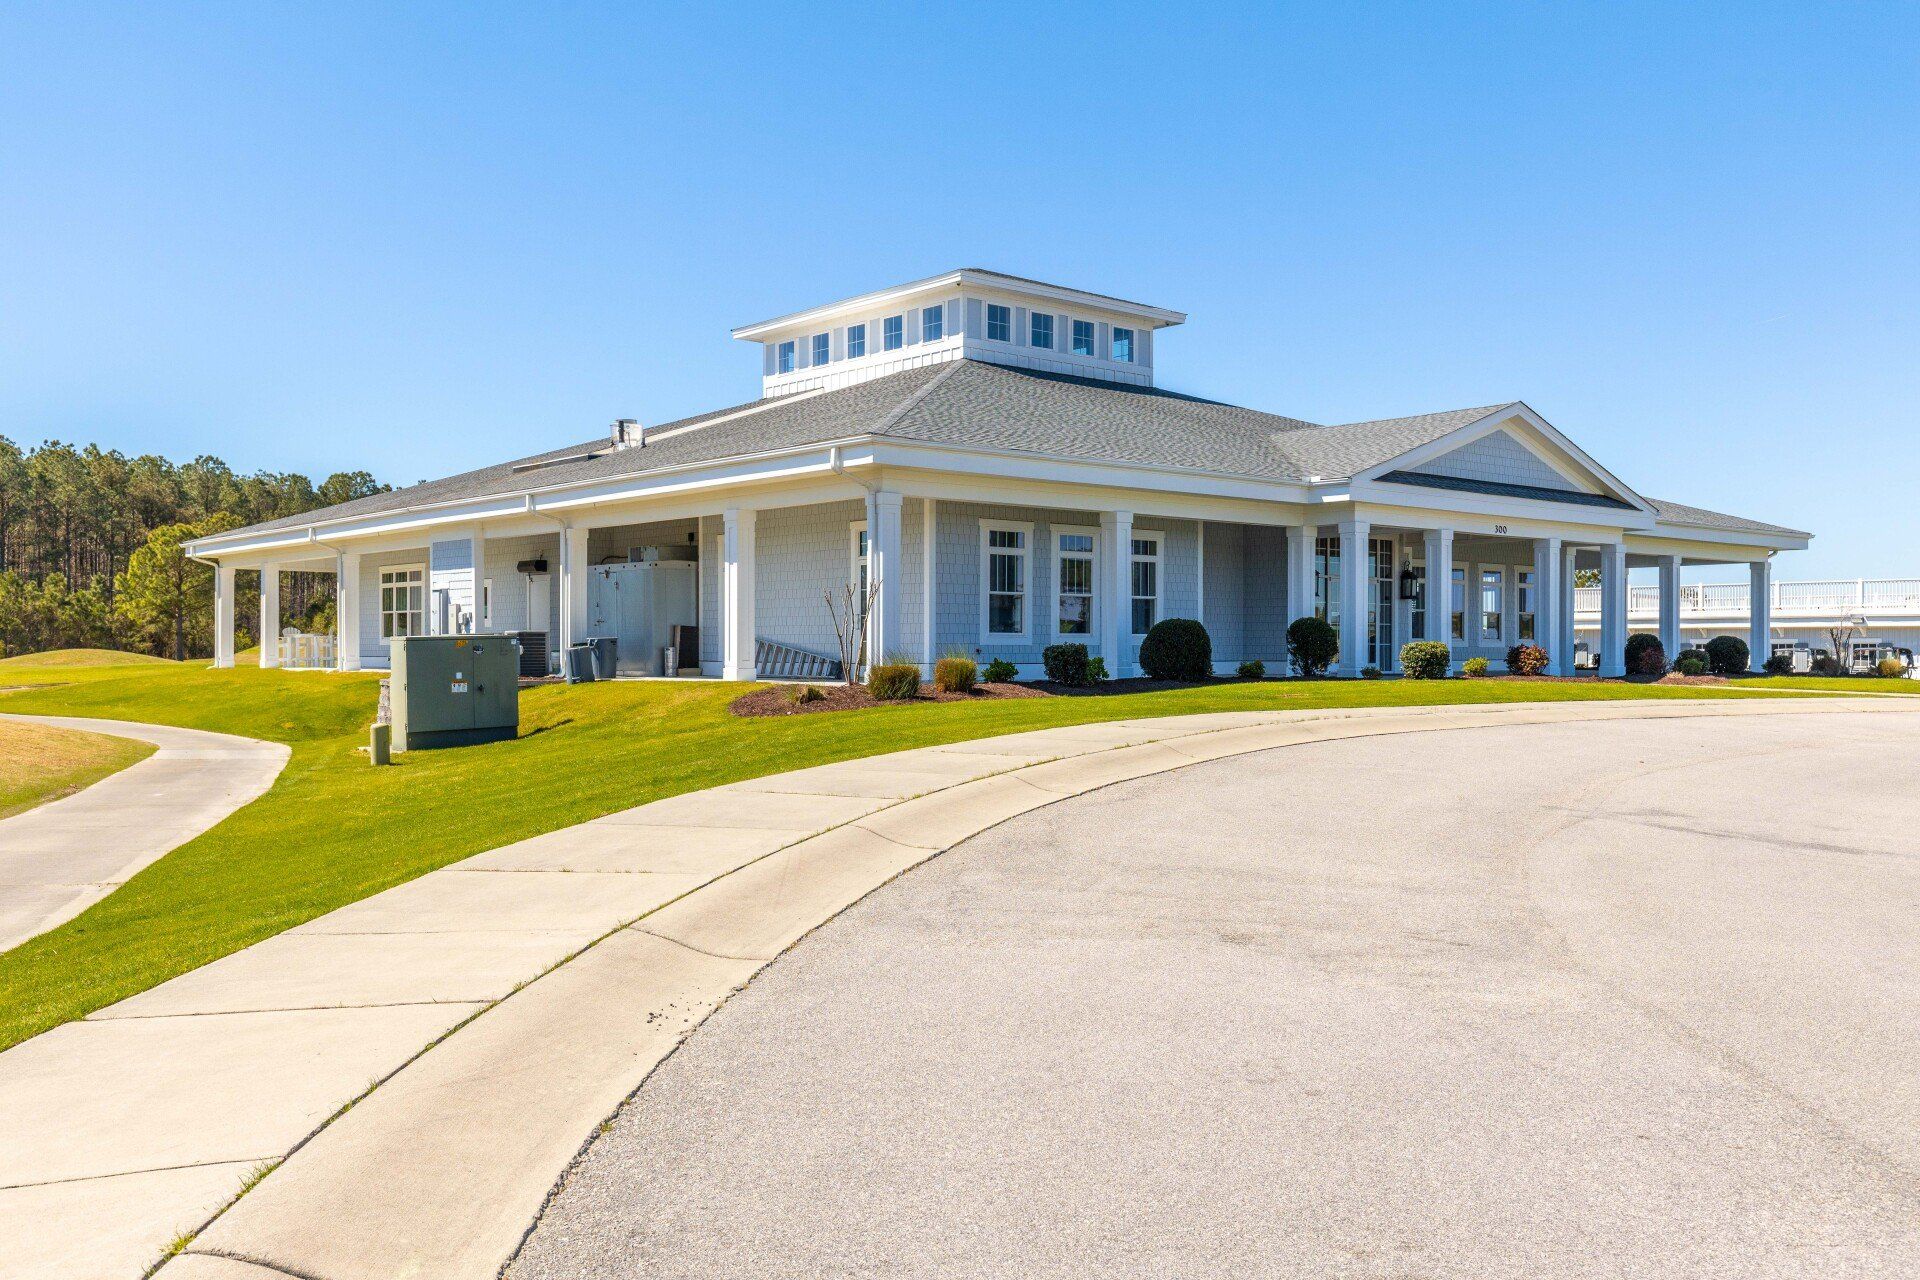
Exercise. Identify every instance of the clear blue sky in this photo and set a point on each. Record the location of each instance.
(324, 237)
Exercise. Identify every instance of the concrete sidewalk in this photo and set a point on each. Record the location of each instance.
(564, 968)
(61, 858)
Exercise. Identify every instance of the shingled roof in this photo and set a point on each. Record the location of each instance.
(973, 404)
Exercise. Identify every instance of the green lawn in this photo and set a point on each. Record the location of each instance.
(39, 763)
(333, 829)
(1835, 684)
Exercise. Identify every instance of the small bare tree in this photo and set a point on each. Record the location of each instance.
(1841, 635)
(850, 614)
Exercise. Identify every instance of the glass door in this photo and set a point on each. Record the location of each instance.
(1380, 603)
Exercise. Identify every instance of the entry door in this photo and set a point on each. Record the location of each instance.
(1380, 603)
(539, 603)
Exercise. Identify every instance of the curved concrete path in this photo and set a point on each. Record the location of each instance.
(1623, 1005)
(62, 857)
(418, 1068)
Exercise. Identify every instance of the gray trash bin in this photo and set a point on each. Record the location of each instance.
(578, 664)
(606, 651)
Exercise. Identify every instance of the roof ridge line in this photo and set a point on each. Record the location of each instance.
(907, 406)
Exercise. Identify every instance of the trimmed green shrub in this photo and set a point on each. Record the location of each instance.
(1313, 645)
(1526, 660)
(1825, 664)
(893, 681)
(1651, 660)
(1693, 651)
(1097, 669)
(1691, 663)
(1892, 668)
(955, 675)
(1727, 655)
(1637, 645)
(1425, 659)
(1252, 669)
(1177, 649)
(1474, 667)
(1000, 671)
(1067, 664)
(1780, 664)
(1371, 673)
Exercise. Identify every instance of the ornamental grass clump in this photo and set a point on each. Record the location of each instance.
(956, 674)
(894, 681)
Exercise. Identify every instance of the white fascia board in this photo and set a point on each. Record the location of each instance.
(1479, 524)
(760, 331)
(1520, 411)
(1439, 502)
(1691, 541)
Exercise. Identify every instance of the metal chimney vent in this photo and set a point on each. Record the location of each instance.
(629, 434)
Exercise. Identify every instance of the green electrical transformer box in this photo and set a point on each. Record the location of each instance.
(453, 691)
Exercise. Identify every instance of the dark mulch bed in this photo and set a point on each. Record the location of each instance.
(778, 700)
(1133, 684)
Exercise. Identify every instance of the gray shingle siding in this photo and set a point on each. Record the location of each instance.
(1264, 589)
(1497, 457)
(1226, 589)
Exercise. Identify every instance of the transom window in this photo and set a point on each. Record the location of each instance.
(822, 348)
(1074, 549)
(1083, 337)
(1123, 345)
(856, 341)
(892, 333)
(999, 323)
(786, 357)
(1493, 592)
(1004, 579)
(933, 324)
(1146, 584)
(403, 601)
(1041, 329)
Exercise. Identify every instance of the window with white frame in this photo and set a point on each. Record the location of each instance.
(1146, 583)
(856, 341)
(1004, 550)
(893, 333)
(1074, 551)
(1523, 625)
(1040, 329)
(1493, 602)
(403, 601)
(785, 364)
(1326, 581)
(822, 348)
(933, 323)
(1417, 614)
(857, 557)
(1083, 337)
(1458, 588)
(999, 323)
(1123, 345)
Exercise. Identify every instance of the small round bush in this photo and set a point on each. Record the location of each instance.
(1780, 664)
(1727, 655)
(1253, 669)
(1691, 663)
(1892, 668)
(1637, 645)
(1177, 649)
(1066, 664)
(1650, 661)
(955, 675)
(1474, 667)
(893, 681)
(1425, 659)
(1313, 645)
(1692, 651)
(1371, 673)
(1526, 660)
(1000, 671)
(1825, 664)
(1096, 669)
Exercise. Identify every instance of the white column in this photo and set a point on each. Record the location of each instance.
(1353, 596)
(1299, 575)
(1116, 585)
(1439, 554)
(737, 595)
(1670, 606)
(1568, 635)
(478, 542)
(573, 589)
(1546, 603)
(223, 614)
(270, 614)
(885, 569)
(1760, 614)
(1613, 609)
(346, 610)
(929, 557)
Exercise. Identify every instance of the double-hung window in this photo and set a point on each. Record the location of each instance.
(1493, 592)
(1004, 549)
(999, 323)
(1123, 345)
(1083, 337)
(892, 333)
(1523, 623)
(1146, 584)
(822, 348)
(933, 323)
(785, 364)
(1074, 551)
(1458, 589)
(403, 601)
(856, 341)
(857, 557)
(1040, 330)
(1326, 581)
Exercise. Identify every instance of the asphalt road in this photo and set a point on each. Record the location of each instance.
(1631, 999)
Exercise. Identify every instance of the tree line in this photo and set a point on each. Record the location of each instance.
(90, 547)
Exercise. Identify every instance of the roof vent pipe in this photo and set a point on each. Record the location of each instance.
(629, 434)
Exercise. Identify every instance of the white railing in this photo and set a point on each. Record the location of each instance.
(1829, 596)
(302, 651)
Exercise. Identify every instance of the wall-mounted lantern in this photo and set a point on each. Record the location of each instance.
(1409, 582)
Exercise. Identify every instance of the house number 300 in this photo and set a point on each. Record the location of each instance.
(1499, 528)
